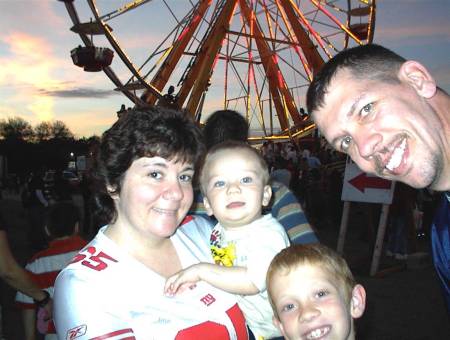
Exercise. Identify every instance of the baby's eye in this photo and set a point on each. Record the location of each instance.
(186, 178)
(219, 184)
(322, 293)
(247, 180)
(345, 143)
(155, 175)
(367, 109)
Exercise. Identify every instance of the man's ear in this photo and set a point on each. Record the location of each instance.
(278, 325)
(207, 206)
(415, 74)
(267, 194)
(47, 232)
(358, 301)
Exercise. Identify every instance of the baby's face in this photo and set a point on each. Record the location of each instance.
(311, 305)
(235, 192)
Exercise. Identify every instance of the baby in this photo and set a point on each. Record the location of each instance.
(235, 184)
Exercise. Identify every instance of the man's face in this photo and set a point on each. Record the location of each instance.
(387, 129)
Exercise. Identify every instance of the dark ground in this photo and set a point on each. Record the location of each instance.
(404, 300)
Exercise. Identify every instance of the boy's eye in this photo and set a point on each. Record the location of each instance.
(247, 180)
(219, 184)
(288, 307)
(345, 143)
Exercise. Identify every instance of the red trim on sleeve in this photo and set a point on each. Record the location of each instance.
(127, 332)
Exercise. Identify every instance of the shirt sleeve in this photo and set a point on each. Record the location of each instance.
(289, 213)
(270, 242)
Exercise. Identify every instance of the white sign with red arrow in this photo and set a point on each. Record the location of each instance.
(361, 187)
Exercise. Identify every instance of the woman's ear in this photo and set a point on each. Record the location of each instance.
(416, 75)
(112, 191)
(358, 301)
(267, 195)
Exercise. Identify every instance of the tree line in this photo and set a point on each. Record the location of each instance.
(49, 145)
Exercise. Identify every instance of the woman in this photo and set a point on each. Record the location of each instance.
(114, 286)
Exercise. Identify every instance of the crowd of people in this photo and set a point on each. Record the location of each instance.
(202, 236)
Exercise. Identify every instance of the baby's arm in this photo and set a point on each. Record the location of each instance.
(230, 279)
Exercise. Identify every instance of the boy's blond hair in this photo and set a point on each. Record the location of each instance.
(313, 255)
(232, 145)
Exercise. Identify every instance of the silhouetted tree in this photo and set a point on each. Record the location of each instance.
(43, 131)
(16, 128)
(60, 130)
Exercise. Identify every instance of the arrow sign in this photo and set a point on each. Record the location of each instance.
(362, 182)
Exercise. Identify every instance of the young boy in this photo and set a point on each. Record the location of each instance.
(61, 226)
(235, 185)
(313, 294)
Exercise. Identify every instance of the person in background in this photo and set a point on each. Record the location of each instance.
(313, 294)
(234, 180)
(36, 211)
(114, 287)
(224, 125)
(15, 276)
(62, 227)
(388, 114)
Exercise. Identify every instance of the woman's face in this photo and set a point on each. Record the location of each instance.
(155, 196)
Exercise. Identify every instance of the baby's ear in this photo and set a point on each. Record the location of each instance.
(358, 301)
(207, 206)
(267, 194)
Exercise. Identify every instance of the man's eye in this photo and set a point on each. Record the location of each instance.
(186, 178)
(345, 143)
(247, 180)
(219, 184)
(155, 175)
(367, 109)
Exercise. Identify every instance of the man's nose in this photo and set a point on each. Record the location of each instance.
(367, 142)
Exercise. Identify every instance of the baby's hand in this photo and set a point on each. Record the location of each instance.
(182, 280)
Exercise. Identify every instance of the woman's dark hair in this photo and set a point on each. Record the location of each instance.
(144, 132)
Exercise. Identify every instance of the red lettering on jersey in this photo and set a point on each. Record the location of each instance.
(208, 299)
(126, 334)
(76, 332)
(212, 330)
(94, 261)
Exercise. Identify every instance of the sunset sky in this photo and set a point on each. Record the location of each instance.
(38, 81)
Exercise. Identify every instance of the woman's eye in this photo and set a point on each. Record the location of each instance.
(155, 175)
(186, 178)
(345, 143)
(247, 180)
(367, 109)
(219, 184)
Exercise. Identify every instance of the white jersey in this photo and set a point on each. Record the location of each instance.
(107, 294)
(256, 245)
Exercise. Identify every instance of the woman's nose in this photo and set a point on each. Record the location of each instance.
(174, 191)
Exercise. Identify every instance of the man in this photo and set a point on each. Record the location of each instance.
(390, 117)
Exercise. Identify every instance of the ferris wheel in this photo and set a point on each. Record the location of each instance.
(253, 56)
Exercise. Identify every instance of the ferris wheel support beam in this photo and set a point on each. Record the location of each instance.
(309, 50)
(281, 96)
(198, 76)
(165, 71)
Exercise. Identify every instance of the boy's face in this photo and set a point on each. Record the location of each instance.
(311, 305)
(235, 192)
